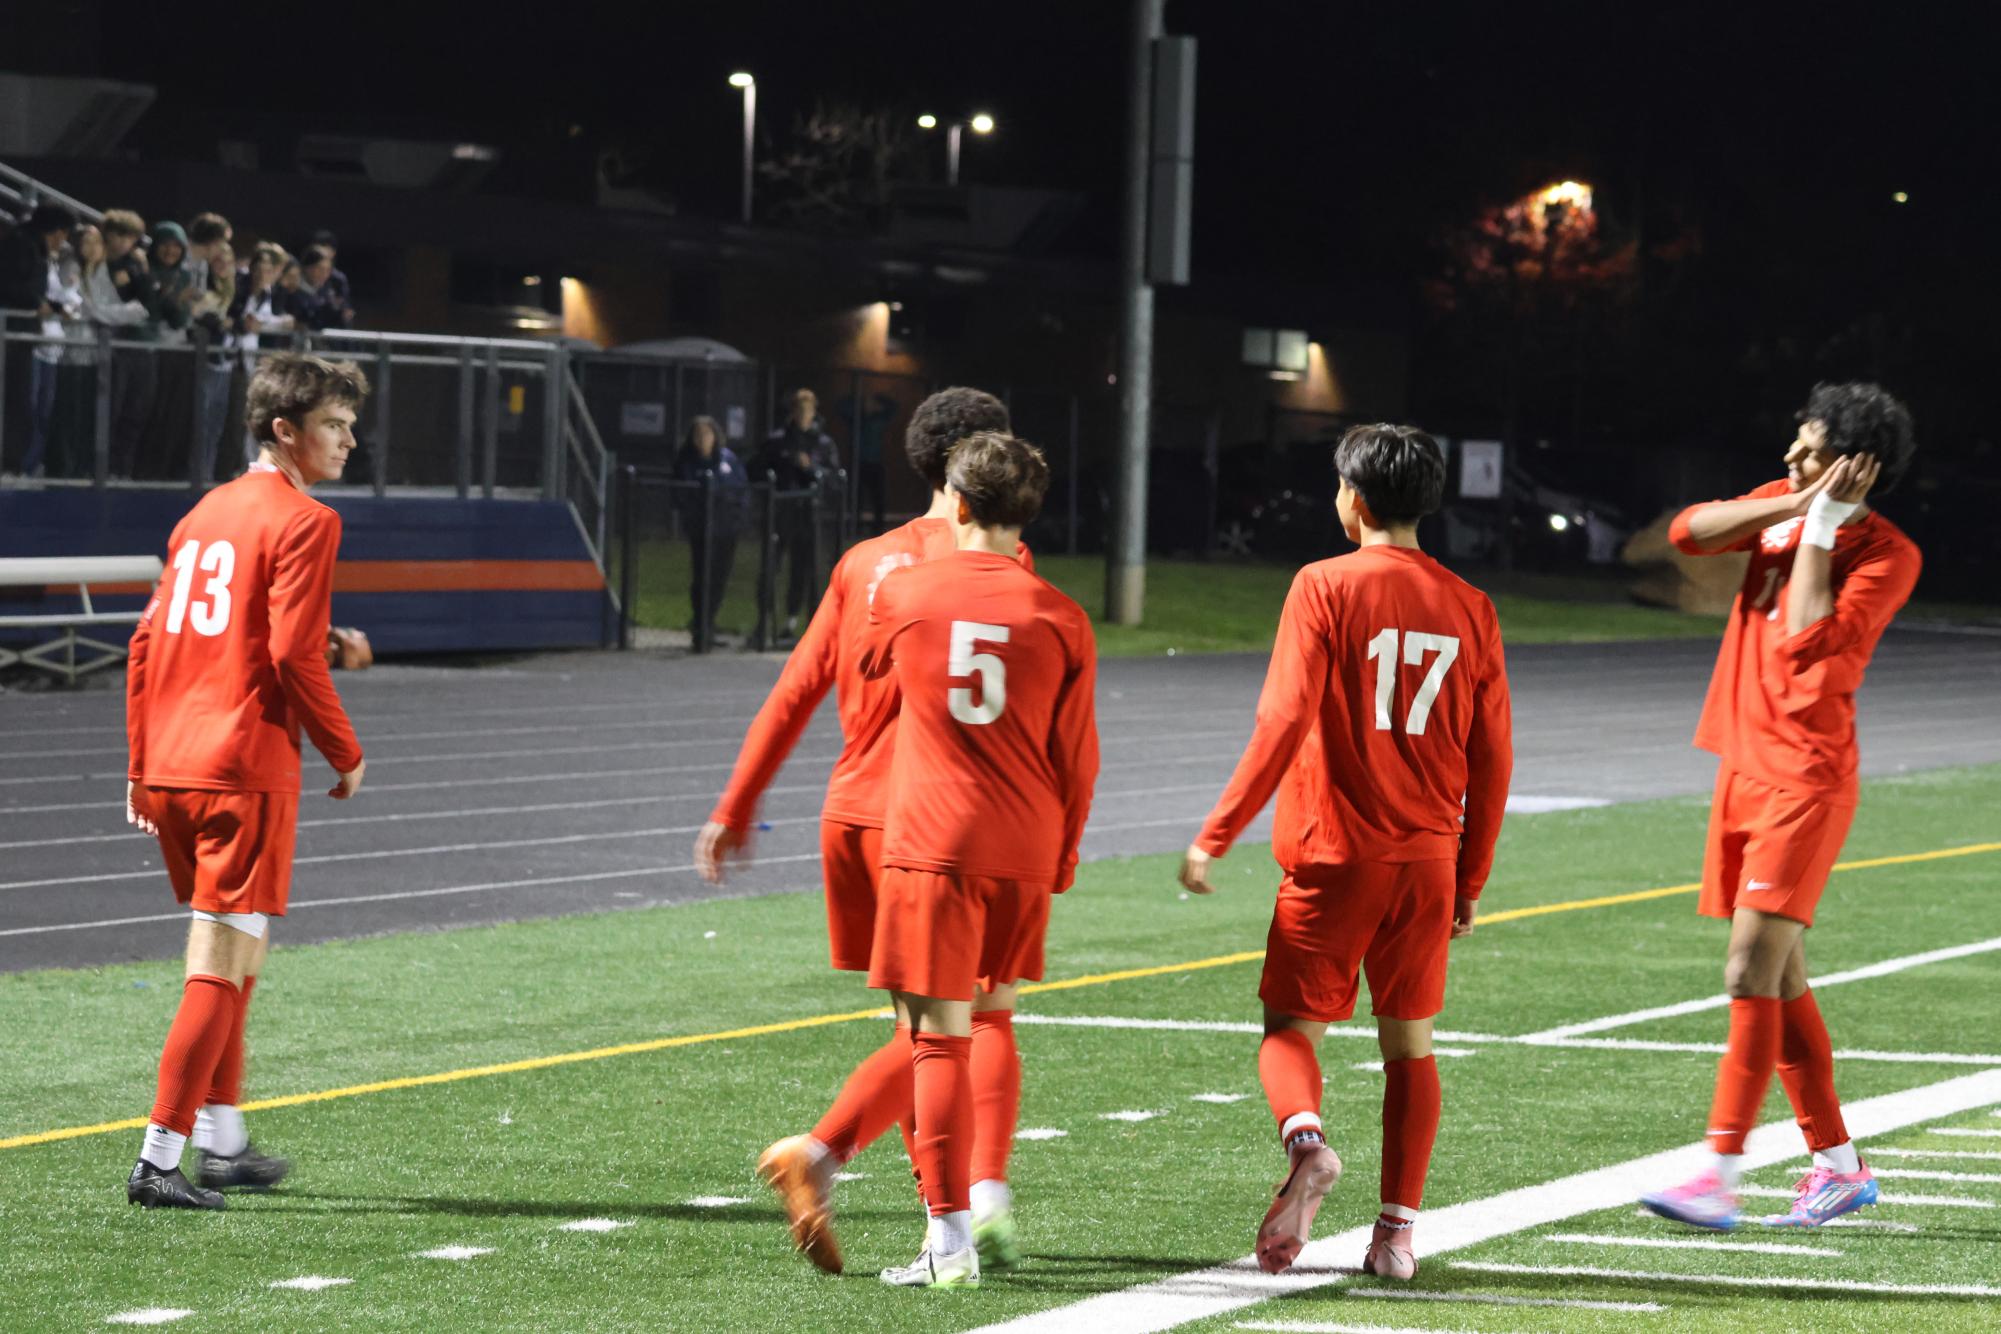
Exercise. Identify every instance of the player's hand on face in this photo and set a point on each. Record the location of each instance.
(1463, 912)
(349, 784)
(717, 844)
(135, 817)
(1855, 480)
(1195, 871)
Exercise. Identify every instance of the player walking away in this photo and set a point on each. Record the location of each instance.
(228, 662)
(996, 757)
(877, 1094)
(1826, 575)
(1384, 713)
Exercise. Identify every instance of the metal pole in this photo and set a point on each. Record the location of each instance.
(465, 422)
(708, 567)
(1125, 567)
(199, 341)
(952, 133)
(101, 428)
(749, 142)
(1076, 465)
(628, 555)
(490, 464)
(555, 375)
(379, 453)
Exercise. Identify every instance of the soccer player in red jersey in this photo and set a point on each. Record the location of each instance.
(996, 757)
(877, 1094)
(1826, 575)
(228, 662)
(1384, 717)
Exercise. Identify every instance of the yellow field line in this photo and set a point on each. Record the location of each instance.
(850, 1016)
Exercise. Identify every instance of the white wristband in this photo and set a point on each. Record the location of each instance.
(1823, 517)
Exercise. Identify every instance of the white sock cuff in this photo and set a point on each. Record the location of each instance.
(1403, 1211)
(1729, 1166)
(1299, 1121)
(163, 1147)
(1841, 1158)
(991, 1197)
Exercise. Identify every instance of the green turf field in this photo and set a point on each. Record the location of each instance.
(662, 1139)
(1209, 606)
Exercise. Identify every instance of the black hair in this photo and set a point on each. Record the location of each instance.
(325, 239)
(1862, 418)
(942, 421)
(1398, 470)
(49, 218)
(311, 255)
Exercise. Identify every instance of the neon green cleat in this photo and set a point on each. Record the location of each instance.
(961, 1269)
(998, 1240)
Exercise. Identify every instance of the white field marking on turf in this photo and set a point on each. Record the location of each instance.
(851, 1176)
(716, 1201)
(1040, 1132)
(595, 1225)
(1222, 1026)
(454, 1252)
(1687, 1243)
(309, 1282)
(1883, 1223)
(1927, 1174)
(1957, 1130)
(1219, 1098)
(1368, 1067)
(1735, 1280)
(1333, 1327)
(1129, 1116)
(1503, 1299)
(1528, 805)
(151, 1315)
(1204, 1293)
(1878, 1152)
(1888, 1198)
(1718, 1002)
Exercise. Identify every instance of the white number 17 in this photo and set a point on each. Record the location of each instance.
(1416, 643)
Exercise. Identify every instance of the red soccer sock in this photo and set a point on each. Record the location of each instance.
(876, 1096)
(1745, 1073)
(996, 1092)
(194, 1045)
(226, 1089)
(1290, 1071)
(942, 1073)
(1806, 1068)
(1411, 1103)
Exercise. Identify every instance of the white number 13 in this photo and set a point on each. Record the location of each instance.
(990, 669)
(1416, 643)
(210, 614)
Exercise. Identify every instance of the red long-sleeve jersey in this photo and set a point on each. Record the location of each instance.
(229, 659)
(997, 747)
(827, 657)
(1384, 723)
(1781, 707)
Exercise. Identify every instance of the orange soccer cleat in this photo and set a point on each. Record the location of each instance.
(802, 1184)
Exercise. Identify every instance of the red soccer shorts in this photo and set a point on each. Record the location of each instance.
(1769, 849)
(947, 935)
(850, 858)
(226, 852)
(1392, 918)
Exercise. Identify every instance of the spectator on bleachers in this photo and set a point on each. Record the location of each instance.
(713, 504)
(211, 291)
(172, 278)
(795, 457)
(133, 371)
(293, 299)
(48, 289)
(332, 288)
(326, 288)
(260, 312)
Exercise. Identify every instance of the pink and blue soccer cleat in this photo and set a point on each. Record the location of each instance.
(1825, 1194)
(1702, 1201)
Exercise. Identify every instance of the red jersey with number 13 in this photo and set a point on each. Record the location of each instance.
(229, 659)
(1384, 716)
(997, 743)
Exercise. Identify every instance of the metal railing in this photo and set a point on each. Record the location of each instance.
(23, 192)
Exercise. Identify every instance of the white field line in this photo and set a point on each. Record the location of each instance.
(310, 1283)
(1483, 1039)
(457, 733)
(1687, 1244)
(1883, 969)
(1040, 1132)
(1335, 1327)
(1737, 1280)
(595, 1225)
(454, 1252)
(716, 1201)
(1915, 1201)
(1527, 805)
(151, 1315)
(1875, 1152)
(1503, 1299)
(1927, 1174)
(1882, 1223)
(1204, 1293)
(1979, 1134)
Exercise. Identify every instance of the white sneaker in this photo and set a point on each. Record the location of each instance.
(960, 1269)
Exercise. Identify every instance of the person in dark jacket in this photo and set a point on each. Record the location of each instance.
(796, 457)
(28, 256)
(134, 371)
(712, 494)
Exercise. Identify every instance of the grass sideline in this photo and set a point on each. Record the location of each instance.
(501, 1162)
(1211, 606)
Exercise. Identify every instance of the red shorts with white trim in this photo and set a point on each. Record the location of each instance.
(226, 852)
(1390, 919)
(947, 935)
(1769, 849)
(850, 862)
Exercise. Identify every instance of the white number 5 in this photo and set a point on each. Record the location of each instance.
(990, 669)
(1416, 643)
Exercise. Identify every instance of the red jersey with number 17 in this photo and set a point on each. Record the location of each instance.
(997, 743)
(229, 659)
(1384, 720)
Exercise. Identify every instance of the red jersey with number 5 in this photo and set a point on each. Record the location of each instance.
(1384, 723)
(1781, 707)
(997, 742)
(229, 659)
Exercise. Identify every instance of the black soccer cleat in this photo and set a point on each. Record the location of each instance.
(154, 1189)
(249, 1170)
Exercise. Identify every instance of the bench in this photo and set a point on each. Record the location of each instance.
(58, 653)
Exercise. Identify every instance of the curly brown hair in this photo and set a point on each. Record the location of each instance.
(1002, 479)
(942, 421)
(292, 384)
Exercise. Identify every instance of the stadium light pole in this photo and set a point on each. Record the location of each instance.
(745, 81)
(980, 123)
(1125, 555)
